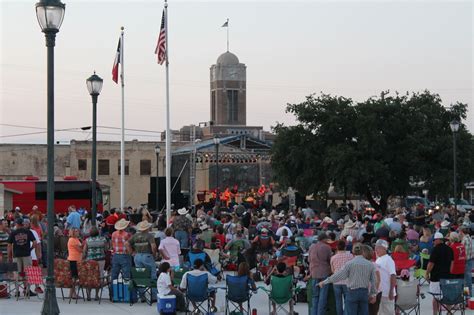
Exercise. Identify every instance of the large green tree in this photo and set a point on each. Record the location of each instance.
(376, 148)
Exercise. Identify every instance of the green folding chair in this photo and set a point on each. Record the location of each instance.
(141, 281)
(280, 293)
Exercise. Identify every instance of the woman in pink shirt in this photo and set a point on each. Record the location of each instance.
(170, 249)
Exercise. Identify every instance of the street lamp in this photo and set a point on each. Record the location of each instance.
(94, 85)
(216, 142)
(454, 128)
(157, 152)
(50, 15)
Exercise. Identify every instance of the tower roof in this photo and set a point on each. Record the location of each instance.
(228, 58)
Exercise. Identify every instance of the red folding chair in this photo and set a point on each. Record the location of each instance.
(34, 276)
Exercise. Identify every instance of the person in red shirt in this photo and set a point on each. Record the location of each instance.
(111, 220)
(459, 262)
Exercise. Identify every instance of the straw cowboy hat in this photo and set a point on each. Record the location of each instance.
(121, 224)
(328, 220)
(445, 223)
(349, 224)
(182, 211)
(143, 226)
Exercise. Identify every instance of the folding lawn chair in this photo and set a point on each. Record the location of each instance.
(7, 277)
(421, 271)
(34, 276)
(408, 297)
(237, 292)
(280, 293)
(141, 281)
(89, 277)
(451, 298)
(197, 291)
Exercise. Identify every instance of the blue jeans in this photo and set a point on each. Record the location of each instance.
(468, 275)
(121, 262)
(146, 261)
(320, 297)
(340, 290)
(182, 237)
(357, 302)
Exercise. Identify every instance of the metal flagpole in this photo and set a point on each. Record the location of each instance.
(122, 142)
(227, 34)
(168, 133)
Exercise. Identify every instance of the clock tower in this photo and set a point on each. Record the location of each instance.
(228, 91)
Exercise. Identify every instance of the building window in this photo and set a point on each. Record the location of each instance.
(145, 167)
(82, 165)
(104, 167)
(127, 162)
(232, 106)
(213, 105)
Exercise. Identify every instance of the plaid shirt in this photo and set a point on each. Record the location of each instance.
(119, 238)
(338, 261)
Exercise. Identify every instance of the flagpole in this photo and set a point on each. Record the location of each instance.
(227, 34)
(168, 133)
(122, 142)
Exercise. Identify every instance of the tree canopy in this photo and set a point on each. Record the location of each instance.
(378, 147)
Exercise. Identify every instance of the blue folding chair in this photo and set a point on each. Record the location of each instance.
(237, 293)
(452, 297)
(193, 256)
(197, 292)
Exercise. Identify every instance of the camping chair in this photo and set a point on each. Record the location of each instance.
(280, 293)
(141, 281)
(237, 292)
(197, 291)
(89, 277)
(408, 297)
(34, 276)
(178, 276)
(421, 271)
(194, 256)
(62, 275)
(451, 298)
(7, 276)
(402, 261)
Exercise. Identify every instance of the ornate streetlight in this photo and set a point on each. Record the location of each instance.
(216, 143)
(50, 15)
(94, 86)
(157, 152)
(454, 128)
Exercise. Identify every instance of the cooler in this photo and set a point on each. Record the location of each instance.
(166, 304)
(120, 291)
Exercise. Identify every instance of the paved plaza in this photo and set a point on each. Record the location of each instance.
(259, 301)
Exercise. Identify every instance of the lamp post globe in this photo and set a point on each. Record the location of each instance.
(454, 125)
(50, 15)
(94, 86)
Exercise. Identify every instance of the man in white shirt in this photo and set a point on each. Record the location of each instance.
(35, 251)
(388, 278)
(170, 249)
(197, 271)
(282, 227)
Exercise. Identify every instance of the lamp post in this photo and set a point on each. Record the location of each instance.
(454, 128)
(216, 143)
(50, 14)
(94, 85)
(157, 152)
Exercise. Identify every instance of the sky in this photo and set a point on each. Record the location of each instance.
(291, 49)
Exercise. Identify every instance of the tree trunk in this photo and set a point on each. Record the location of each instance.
(372, 201)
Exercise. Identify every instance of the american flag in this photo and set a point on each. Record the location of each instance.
(160, 49)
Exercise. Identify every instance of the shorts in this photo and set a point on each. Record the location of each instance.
(434, 288)
(22, 262)
(73, 267)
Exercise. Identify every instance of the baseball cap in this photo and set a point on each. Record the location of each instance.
(19, 221)
(382, 243)
(438, 236)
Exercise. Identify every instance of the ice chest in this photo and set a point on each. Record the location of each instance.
(166, 303)
(120, 291)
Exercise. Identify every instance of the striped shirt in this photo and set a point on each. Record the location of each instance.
(360, 274)
(468, 243)
(338, 261)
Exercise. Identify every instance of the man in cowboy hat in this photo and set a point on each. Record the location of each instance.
(144, 247)
(182, 227)
(121, 259)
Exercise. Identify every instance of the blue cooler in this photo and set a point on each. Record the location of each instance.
(166, 304)
(120, 291)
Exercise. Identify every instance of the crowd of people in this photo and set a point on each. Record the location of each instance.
(351, 254)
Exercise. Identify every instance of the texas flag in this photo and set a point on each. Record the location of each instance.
(115, 69)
